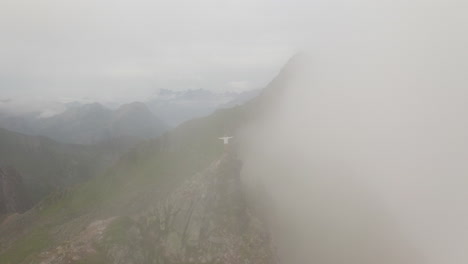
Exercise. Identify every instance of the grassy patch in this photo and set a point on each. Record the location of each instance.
(24, 248)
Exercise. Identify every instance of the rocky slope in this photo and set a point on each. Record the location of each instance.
(143, 178)
(205, 220)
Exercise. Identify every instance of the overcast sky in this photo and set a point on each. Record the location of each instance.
(127, 50)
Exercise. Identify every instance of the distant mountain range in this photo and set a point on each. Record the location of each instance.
(94, 122)
(175, 107)
(50, 152)
(90, 124)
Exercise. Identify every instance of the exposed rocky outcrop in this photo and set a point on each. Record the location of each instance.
(13, 198)
(81, 249)
(205, 220)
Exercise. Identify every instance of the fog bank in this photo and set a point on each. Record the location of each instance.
(365, 155)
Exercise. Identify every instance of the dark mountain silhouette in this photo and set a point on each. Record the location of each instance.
(13, 196)
(46, 165)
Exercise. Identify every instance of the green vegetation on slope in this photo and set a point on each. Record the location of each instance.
(46, 165)
(26, 247)
(144, 175)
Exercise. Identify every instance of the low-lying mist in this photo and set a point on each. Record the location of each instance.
(365, 157)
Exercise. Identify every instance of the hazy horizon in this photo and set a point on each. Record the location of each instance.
(125, 51)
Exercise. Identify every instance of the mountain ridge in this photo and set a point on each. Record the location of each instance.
(144, 177)
(90, 124)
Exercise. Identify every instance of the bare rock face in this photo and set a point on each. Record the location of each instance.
(13, 198)
(206, 220)
(81, 249)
